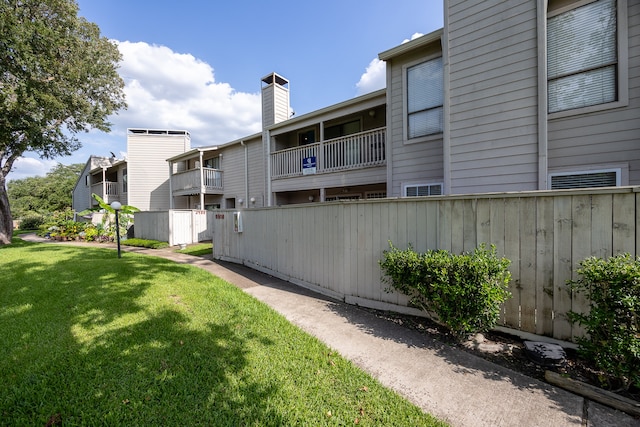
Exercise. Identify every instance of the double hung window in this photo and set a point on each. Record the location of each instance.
(582, 56)
(424, 98)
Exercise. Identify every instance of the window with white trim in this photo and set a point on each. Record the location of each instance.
(425, 94)
(416, 190)
(342, 197)
(375, 194)
(582, 56)
(585, 179)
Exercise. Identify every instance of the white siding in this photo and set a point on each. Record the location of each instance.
(493, 95)
(147, 156)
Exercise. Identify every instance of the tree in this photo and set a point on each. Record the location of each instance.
(46, 194)
(58, 77)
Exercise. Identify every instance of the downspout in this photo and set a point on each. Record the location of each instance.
(446, 131)
(543, 121)
(266, 136)
(170, 185)
(246, 173)
(105, 197)
(202, 186)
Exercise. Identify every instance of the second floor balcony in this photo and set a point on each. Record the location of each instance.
(107, 190)
(196, 181)
(355, 151)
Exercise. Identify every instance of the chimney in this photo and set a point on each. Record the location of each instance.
(275, 100)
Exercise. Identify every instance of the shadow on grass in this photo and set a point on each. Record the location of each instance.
(79, 347)
(460, 363)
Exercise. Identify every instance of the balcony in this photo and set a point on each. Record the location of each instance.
(355, 151)
(107, 190)
(193, 182)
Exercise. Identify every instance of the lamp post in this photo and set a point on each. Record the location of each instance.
(116, 206)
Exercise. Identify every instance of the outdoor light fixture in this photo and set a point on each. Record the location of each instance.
(116, 206)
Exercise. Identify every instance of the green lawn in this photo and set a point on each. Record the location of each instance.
(90, 339)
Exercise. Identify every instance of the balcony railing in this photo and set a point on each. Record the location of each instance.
(188, 180)
(107, 190)
(358, 150)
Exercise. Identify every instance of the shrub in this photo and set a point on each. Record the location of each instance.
(464, 291)
(31, 221)
(613, 330)
(145, 243)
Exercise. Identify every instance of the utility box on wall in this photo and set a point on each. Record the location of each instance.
(237, 222)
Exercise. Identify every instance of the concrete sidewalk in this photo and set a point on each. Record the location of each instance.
(453, 385)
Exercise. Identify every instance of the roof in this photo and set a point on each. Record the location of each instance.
(411, 45)
(381, 93)
(204, 149)
(158, 132)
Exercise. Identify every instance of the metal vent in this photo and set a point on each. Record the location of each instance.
(584, 180)
(423, 190)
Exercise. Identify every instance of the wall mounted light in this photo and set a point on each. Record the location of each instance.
(240, 201)
(311, 198)
(252, 200)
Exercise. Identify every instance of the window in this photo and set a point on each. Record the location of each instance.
(422, 190)
(424, 98)
(342, 129)
(125, 180)
(590, 179)
(213, 163)
(307, 137)
(582, 56)
(376, 195)
(342, 197)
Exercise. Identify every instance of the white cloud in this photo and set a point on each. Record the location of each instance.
(374, 78)
(413, 37)
(169, 90)
(30, 166)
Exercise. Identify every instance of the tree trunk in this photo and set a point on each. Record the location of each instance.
(6, 222)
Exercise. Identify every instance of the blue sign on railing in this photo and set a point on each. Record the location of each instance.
(309, 165)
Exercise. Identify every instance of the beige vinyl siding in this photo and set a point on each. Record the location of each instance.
(419, 161)
(148, 171)
(82, 191)
(233, 169)
(605, 137)
(257, 174)
(493, 95)
(364, 176)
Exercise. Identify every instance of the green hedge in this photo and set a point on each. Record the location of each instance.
(464, 291)
(144, 243)
(613, 327)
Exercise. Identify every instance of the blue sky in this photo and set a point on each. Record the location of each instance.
(196, 65)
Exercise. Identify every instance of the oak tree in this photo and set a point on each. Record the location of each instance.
(58, 78)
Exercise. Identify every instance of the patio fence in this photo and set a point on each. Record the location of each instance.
(335, 247)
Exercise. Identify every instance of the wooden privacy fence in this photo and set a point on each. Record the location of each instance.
(335, 247)
(174, 226)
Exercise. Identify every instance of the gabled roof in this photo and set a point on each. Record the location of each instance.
(411, 45)
(194, 151)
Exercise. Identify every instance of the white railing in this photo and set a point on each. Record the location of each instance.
(348, 152)
(190, 179)
(107, 190)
